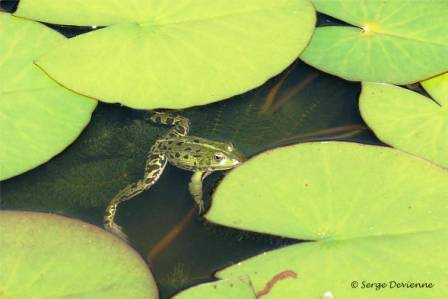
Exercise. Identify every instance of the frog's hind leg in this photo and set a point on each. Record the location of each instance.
(154, 168)
(180, 123)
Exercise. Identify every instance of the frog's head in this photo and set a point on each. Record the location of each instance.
(225, 156)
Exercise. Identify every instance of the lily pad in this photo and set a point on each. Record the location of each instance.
(407, 120)
(240, 288)
(50, 256)
(387, 267)
(38, 117)
(374, 211)
(391, 41)
(176, 55)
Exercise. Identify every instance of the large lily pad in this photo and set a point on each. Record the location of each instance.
(176, 54)
(385, 267)
(375, 211)
(408, 120)
(49, 256)
(393, 41)
(38, 118)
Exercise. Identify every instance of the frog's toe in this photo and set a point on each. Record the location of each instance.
(201, 207)
(147, 117)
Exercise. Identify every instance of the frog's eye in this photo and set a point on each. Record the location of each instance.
(230, 147)
(219, 156)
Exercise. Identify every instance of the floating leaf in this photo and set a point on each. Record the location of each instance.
(49, 256)
(228, 288)
(408, 120)
(321, 192)
(387, 267)
(374, 211)
(393, 41)
(176, 55)
(38, 118)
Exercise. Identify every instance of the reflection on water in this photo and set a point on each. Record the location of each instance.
(299, 105)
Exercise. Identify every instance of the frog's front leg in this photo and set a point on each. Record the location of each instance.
(154, 168)
(195, 187)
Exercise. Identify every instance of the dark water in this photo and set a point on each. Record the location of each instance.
(8, 5)
(299, 105)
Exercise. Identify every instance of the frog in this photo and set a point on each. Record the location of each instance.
(176, 147)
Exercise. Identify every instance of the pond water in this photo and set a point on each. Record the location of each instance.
(301, 104)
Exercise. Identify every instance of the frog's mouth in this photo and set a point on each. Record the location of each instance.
(238, 158)
(236, 162)
(231, 163)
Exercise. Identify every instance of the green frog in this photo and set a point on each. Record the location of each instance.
(199, 155)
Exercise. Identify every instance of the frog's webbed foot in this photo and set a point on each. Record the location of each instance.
(115, 229)
(109, 223)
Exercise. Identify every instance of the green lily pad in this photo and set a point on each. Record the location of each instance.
(408, 120)
(387, 267)
(239, 287)
(178, 55)
(38, 118)
(374, 211)
(393, 41)
(50, 256)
